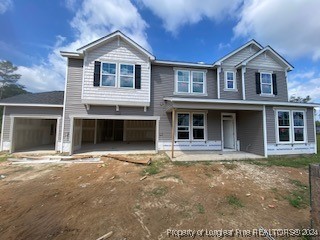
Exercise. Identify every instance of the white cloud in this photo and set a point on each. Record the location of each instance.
(5, 5)
(177, 13)
(93, 19)
(290, 26)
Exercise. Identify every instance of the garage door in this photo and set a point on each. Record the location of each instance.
(34, 134)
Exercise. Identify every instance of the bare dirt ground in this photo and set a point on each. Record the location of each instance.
(86, 201)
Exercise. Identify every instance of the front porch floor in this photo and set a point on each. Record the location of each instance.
(190, 156)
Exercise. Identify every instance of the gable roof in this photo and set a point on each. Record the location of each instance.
(112, 36)
(252, 41)
(53, 99)
(270, 49)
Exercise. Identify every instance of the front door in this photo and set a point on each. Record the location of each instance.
(228, 132)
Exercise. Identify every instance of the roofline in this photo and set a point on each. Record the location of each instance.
(252, 41)
(245, 62)
(31, 105)
(186, 64)
(120, 34)
(246, 102)
(71, 54)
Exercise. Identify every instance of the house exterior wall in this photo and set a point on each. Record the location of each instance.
(230, 94)
(250, 87)
(265, 61)
(26, 112)
(116, 51)
(240, 56)
(250, 131)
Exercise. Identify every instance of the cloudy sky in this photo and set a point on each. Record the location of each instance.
(34, 31)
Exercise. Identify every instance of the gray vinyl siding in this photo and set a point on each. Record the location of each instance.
(230, 95)
(271, 124)
(75, 107)
(266, 61)
(28, 111)
(241, 55)
(250, 87)
(250, 131)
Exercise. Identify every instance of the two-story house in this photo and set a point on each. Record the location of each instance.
(119, 96)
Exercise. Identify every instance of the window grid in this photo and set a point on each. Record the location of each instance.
(266, 83)
(191, 126)
(190, 82)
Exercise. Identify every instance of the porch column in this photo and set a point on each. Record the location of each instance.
(95, 131)
(172, 131)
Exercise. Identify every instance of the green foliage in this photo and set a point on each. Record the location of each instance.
(154, 168)
(299, 197)
(302, 161)
(234, 201)
(160, 191)
(230, 166)
(300, 99)
(200, 208)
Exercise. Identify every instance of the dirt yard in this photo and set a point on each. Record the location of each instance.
(86, 201)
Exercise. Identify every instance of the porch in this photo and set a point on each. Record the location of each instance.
(193, 156)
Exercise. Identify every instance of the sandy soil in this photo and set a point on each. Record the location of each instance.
(86, 201)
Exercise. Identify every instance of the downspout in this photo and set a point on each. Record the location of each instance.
(218, 81)
(243, 71)
(264, 120)
(2, 127)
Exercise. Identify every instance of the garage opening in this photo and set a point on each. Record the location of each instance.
(114, 135)
(30, 134)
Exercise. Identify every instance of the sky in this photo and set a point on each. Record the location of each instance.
(34, 32)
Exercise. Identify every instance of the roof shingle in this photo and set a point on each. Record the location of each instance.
(54, 98)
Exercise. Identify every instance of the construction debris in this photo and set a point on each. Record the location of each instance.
(143, 178)
(109, 234)
(145, 161)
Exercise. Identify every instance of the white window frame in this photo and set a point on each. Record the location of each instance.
(133, 76)
(191, 127)
(291, 126)
(116, 75)
(234, 80)
(191, 82)
(271, 84)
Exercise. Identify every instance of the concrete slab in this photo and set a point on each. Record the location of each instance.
(190, 156)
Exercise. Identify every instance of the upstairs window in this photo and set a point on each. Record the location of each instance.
(266, 84)
(291, 126)
(119, 75)
(108, 74)
(230, 80)
(126, 75)
(192, 82)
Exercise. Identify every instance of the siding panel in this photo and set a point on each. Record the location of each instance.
(240, 56)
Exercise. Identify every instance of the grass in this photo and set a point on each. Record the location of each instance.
(160, 191)
(234, 201)
(154, 168)
(299, 197)
(4, 158)
(180, 163)
(200, 208)
(230, 166)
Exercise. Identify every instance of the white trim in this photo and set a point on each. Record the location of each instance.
(268, 48)
(271, 84)
(71, 54)
(64, 103)
(115, 75)
(83, 74)
(157, 135)
(185, 64)
(112, 35)
(243, 71)
(315, 132)
(265, 132)
(233, 115)
(190, 82)
(2, 127)
(116, 117)
(247, 102)
(218, 82)
(234, 80)
(115, 103)
(286, 76)
(31, 105)
(11, 134)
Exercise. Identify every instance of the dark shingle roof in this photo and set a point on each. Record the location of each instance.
(54, 98)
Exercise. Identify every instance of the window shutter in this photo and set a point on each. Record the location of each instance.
(96, 76)
(137, 76)
(258, 87)
(274, 84)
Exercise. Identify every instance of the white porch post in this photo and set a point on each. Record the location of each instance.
(172, 131)
(243, 71)
(264, 120)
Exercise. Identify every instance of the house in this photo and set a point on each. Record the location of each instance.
(119, 96)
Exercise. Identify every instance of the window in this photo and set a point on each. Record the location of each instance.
(108, 74)
(190, 81)
(266, 83)
(291, 126)
(126, 75)
(230, 83)
(191, 126)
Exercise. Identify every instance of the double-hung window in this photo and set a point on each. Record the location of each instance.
(230, 80)
(108, 74)
(291, 126)
(126, 75)
(191, 126)
(190, 82)
(266, 83)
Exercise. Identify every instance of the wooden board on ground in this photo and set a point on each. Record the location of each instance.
(145, 160)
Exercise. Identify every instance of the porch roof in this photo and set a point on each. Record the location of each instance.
(194, 103)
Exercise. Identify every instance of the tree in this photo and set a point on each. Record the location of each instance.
(8, 77)
(300, 99)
